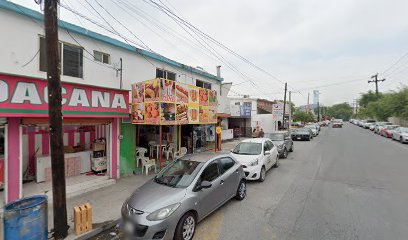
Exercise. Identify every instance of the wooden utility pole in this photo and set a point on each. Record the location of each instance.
(290, 110)
(55, 119)
(308, 106)
(376, 80)
(284, 106)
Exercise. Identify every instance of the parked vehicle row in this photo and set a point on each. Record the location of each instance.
(385, 129)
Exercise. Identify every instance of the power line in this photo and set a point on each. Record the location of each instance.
(180, 21)
(217, 42)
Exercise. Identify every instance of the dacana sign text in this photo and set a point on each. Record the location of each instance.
(21, 96)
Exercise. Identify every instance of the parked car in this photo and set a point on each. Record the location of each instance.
(315, 130)
(337, 123)
(257, 156)
(283, 141)
(400, 134)
(372, 127)
(380, 126)
(302, 134)
(368, 122)
(170, 205)
(387, 132)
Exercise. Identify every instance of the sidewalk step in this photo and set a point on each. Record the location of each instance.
(87, 186)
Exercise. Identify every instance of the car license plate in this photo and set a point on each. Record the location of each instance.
(129, 228)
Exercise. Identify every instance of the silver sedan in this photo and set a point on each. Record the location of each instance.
(170, 205)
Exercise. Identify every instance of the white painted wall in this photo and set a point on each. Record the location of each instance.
(20, 42)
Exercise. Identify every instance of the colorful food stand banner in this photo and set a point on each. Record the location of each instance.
(166, 102)
(28, 97)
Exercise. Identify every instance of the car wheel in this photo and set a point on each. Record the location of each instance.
(285, 153)
(277, 163)
(262, 174)
(241, 191)
(186, 227)
(401, 140)
(291, 148)
(309, 138)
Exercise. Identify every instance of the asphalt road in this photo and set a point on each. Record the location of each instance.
(345, 184)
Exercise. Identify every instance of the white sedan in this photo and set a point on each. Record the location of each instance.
(257, 155)
(400, 134)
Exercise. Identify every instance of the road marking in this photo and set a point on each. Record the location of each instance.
(210, 228)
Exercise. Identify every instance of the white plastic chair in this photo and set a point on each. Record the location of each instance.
(140, 152)
(169, 151)
(148, 163)
(181, 153)
(151, 148)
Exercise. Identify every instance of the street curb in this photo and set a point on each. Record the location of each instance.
(98, 230)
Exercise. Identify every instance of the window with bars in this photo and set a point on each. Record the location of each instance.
(71, 58)
(203, 84)
(160, 73)
(102, 57)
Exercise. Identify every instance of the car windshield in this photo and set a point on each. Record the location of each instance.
(390, 127)
(248, 148)
(311, 126)
(179, 173)
(275, 136)
(404, 130)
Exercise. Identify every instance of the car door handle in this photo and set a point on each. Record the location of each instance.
(222, 182)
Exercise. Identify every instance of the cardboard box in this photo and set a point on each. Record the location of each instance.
(99, 164)
(98, 146)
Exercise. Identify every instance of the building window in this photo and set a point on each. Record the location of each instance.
(102, 57)
(72, 59)
(160, 73)
(237, 104)
(203, 84)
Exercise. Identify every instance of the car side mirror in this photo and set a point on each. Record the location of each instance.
(231, 150)
(205, 184)
(202, 185)
(267, 152)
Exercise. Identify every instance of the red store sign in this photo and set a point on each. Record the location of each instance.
(28, 97)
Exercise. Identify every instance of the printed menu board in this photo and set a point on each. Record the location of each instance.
(138, 92)
(163, 101)
(212, 98)
(181, 93)
(182, 113)
(152, 90)
(168, 113)
(152, 113)
(138, 113)
(167, 88)
(203, 93)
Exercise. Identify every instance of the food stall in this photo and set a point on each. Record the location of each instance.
(159, 104)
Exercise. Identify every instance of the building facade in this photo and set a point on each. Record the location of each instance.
(95, 70)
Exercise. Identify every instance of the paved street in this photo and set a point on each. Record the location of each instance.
(345, 184)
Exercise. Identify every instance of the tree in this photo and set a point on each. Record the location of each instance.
(368, 97)
(300, 116)
(342, 111)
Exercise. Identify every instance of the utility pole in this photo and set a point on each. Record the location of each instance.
(55, 119)
(290, 110)
(318, 111)
(376, 80)
(284, 106)
(308, 106)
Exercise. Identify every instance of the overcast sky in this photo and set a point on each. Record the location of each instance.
(331, 46)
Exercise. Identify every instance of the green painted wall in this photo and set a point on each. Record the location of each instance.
(127, 149)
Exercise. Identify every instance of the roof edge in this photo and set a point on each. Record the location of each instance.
(21, 10)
